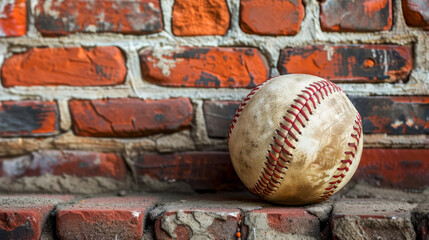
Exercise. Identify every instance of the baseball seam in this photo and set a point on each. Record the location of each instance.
(280, 151)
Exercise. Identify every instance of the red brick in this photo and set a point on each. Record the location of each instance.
(129, 117)
(59, 17)
(372, 219)
(74, 163)
(204, 17)
(13, 21)
(23, 216)
(214, 223)
(218, 116)
(99, 66)
(104, 218)
(356, 16)
(282, 223)
(349, 63)
(275, 17)
(403, 168)
(28, 118)
(204, 67)
(416, 13)
(201, 170)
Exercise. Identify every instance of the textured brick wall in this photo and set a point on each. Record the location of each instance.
(104, 95)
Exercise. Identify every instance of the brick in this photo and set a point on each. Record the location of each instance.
(24, 216)
(204, 67)
(13, 20)
(356, 16)
(393, 115)
(403, 168)
(104, 218)
(201, 170)
(349, 63)
(59, 17)
(129, 117)
(197, 18)
(281, 223)
(275, 17)
(74, 66)
(198, 223)
(28, 118)
(416, 13)
(420, 217)
(74, 163)
(218, 116)
(372, 219)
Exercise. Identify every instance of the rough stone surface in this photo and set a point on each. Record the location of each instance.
(104, 218)
(73, 163)
(356, 16)
(59, 17)
(416, 13)
(204, 17)
(349, 63)
(364, 190)
(372, 219)
(129, 117)
(13, 20)
(421, 219)
(275, 17)
(218, 116)
(203, 67)
(28, 118)
(74, 66)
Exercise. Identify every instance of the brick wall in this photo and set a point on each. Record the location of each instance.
(104, 95)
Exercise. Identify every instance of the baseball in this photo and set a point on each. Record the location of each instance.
(295, 139)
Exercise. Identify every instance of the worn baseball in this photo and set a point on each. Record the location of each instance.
(295, 139)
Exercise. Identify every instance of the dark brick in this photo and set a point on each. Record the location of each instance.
(204, 67)
(129, 117)
(218, 116)
(13, 21)
(62, 17)
(356, 16)
(420, 219)
(349, 63)
(75, 66)
(201, 170)
(28, 118)
(416, 13)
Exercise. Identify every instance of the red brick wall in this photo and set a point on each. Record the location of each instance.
(104, 95)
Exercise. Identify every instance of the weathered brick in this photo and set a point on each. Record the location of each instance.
(281, 223)
(201, 170)
(420, 217)
(349, 63)
(23, 216)
(356, 16)
(372, 219)
(74, 163)
(218, 116)
(198, 223)
(59, 17)
(74, 66)
(271, 17)
(204, 67)
(404, 168)
(28, 118)
(13, 20)
(416, 13)
(129, 117)
(104, 218)
(204, 17)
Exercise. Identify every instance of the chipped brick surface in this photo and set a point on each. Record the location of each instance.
(104, 218)
(129, 117)
(275, 17)
(349, 63)
(218, 116)
(13, 20)
(372, 219)
(74, 163)
(204, 67)
(74, 66)
(28, 118)
(404, 168)
(203, 17)
(200, 223)
(59, 17)
(355, 16)
(201, 170)
(420, 217)
(416, 13)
